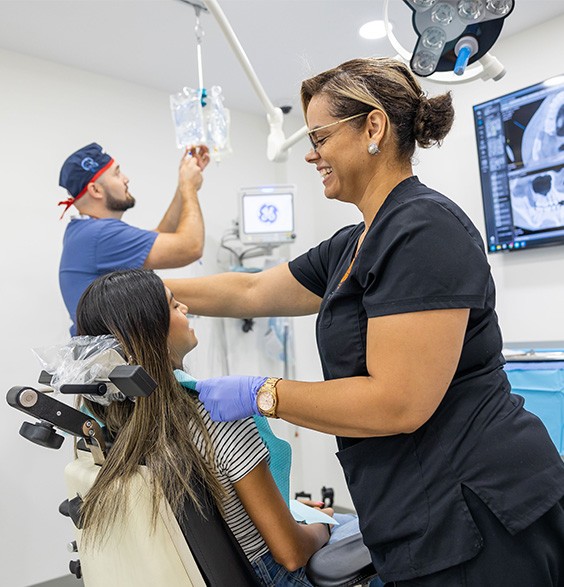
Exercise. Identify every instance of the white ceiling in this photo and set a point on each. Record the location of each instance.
(152, 42)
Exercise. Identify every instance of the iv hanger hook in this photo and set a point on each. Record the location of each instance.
(199, 6)
(198, 29)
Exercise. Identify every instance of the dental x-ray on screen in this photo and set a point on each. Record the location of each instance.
(520, 140)
(267, 214)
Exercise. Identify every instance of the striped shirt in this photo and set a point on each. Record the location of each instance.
(238, 449)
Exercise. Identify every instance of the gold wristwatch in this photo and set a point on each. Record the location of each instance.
(267, 398)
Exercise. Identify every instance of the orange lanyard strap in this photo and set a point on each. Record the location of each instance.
(348, 271)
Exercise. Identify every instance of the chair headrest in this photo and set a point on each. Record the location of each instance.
(84, 361)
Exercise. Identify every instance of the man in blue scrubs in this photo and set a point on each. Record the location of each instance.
(98, 241)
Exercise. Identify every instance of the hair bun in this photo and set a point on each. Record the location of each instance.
(433, 119)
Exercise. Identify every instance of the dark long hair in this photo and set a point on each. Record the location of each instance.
(157, 430)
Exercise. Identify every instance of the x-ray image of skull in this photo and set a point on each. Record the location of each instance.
(543, 139)
(538, 200)
(538, 197)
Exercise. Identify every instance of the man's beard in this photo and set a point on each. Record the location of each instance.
(116, 205)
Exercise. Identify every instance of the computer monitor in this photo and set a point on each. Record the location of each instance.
(267, 214)
(520, 140)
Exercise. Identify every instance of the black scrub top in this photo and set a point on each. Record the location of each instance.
(422, 252)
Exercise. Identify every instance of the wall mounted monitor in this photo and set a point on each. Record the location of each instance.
(266, 214)
(520, 140)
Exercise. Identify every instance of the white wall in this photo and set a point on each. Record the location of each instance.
(47, 110)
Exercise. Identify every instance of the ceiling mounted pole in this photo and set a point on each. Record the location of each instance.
(277, 144)
(199, 31)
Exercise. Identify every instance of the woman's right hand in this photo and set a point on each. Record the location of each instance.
(290, 543)
(318, 505)
(328, 511)
(328, 527)
(311, 503)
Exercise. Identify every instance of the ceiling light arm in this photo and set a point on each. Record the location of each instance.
(487, 67)
(294, 138)
(277, 144)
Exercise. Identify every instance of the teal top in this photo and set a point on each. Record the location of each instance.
(280, 456)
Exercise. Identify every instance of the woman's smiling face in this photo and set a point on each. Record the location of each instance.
(336, 151)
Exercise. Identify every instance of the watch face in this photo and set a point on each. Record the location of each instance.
(265, 401)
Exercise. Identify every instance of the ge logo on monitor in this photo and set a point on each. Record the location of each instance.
(268, 213)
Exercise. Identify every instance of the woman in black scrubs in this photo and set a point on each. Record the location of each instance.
(453, 481)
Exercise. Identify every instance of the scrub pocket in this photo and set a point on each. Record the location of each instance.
(414, 520)
(386, 485)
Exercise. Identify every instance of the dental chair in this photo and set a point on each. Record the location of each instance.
(197, 550)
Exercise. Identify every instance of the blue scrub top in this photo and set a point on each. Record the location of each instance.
(93, 247)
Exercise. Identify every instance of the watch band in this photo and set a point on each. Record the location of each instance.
(267, 397)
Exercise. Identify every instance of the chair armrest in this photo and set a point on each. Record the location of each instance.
(344, 563)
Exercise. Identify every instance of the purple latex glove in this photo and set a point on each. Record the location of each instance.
(229, 398)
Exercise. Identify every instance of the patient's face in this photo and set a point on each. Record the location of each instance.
(181, 338)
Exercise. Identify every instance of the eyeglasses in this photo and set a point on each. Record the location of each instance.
(315, 144)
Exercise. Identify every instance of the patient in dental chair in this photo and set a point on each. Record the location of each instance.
(172, 434)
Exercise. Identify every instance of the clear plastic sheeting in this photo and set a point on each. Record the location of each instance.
(83, 360)
(201, 120)
(276, 339)
(217, 122)
(188, 117)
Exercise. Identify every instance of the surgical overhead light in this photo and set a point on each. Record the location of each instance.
(453, 34)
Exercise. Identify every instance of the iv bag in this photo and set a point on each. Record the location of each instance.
(188, 117)
(217, 121)
(201, 125)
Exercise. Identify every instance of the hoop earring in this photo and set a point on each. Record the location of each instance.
(373, 148)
